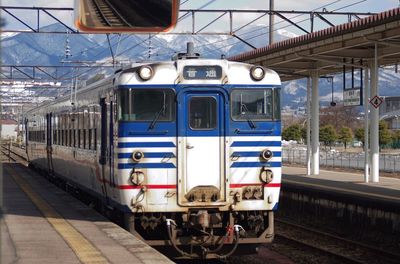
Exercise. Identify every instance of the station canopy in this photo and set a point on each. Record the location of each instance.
(328, 50)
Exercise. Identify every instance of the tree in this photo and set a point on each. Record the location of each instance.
(345, 136)
(327, 134)
(396, 135)
(385, 136)
(340, 116)
(396, 139)
(304, 134)
(359, 135)
(292, 132)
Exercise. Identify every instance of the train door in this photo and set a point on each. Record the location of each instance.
(201, 121)
(104, 147)
(49, 148)
(26, 122)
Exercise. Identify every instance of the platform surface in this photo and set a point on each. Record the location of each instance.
(347, 182)
(44, 224)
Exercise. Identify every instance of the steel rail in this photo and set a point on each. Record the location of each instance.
(109, 14)
(363, 246)
(341, 258)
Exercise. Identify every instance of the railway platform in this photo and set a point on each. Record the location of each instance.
(43, 224)
(342, 199)
(349, 183)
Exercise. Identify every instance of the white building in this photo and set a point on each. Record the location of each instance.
(389, 111)
(8, 129)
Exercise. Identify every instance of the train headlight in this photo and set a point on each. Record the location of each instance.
(266, 155)
(266, 175)
(257, 73)
(137, 156)
(137, 177)
(145, 72)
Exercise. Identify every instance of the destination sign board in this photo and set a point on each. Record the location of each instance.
(196, 72)
(352, 97)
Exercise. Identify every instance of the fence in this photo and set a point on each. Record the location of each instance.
(334, 159)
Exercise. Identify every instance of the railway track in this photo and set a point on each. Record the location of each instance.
(9, 155)
(338, 249)
(108, 14)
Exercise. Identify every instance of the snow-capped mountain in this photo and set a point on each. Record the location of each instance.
(50, 49)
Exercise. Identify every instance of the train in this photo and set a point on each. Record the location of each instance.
(186, 152)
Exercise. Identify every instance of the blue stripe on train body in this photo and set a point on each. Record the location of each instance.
(263, 143)
(248, 154)
(161, 144)
(148, 155)
(146, 165)
(255, 164)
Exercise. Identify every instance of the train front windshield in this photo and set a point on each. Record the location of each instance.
(146, 104)
(255, 104)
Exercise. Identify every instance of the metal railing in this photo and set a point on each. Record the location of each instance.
(336, 159)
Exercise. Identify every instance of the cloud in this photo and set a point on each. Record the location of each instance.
(292, 87)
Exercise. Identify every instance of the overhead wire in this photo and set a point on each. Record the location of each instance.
(235, 42)
(297, 22)
(141, 42)
(259, 29)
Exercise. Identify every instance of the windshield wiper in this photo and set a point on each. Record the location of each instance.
(157, 116)
(251, 123)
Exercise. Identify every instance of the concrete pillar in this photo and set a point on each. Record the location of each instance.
(366, 124)
(271, 22)
(374, 135)
(315, 124)
(308, 139)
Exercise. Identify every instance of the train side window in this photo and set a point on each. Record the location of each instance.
(91, 126)
(277, 104)
(80, 119)
(146, 104)
(95, 124)
(59, 131)
(85, 128)
(60, 127)
(54, 129)
(68, 116)
(74, 122)
(203, 113)
(62, 131)
(252, 104)
(71, 129)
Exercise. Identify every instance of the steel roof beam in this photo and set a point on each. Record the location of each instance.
(291, 22)
(24, 73)
(186, 13)
(244, 41)
(325, 20)
(31, 29)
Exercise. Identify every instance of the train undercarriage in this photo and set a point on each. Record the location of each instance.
(203, 233)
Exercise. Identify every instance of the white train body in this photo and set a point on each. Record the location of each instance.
(199, 143)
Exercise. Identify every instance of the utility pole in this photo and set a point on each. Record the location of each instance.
(271, 22)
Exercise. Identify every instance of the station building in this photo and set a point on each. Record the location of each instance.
(389, 111)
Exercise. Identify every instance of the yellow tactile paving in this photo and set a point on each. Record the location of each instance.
(83, 248)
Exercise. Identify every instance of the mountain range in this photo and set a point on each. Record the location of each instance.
(61, 49)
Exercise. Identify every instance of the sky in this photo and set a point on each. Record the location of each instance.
(223, 24)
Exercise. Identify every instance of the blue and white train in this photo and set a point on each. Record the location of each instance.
(187, 152)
